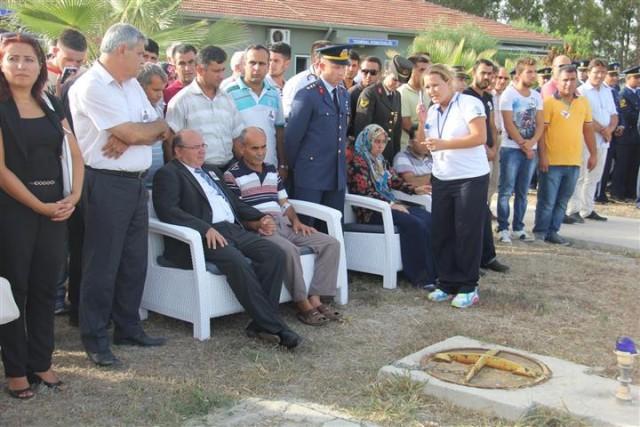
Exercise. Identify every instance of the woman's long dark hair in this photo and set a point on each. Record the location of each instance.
(9, 38)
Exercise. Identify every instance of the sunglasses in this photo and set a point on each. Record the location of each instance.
(370, 72)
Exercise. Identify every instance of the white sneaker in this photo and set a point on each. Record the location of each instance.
(504, 237)
(523, 236)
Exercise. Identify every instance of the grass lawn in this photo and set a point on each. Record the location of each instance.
(569, 303)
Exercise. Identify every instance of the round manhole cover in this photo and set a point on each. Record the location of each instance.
(485, 368)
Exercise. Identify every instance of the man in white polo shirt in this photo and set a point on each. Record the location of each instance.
(605, 122)
(203, 106)
(260, 106)
(303, 78)
(115, 125)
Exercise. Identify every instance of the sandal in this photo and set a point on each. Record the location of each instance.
(312, 317)
(330, 313)
(23, 394)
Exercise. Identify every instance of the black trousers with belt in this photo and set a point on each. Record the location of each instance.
(114, 258)
(32, 257)
(458, 216)
(256, 284)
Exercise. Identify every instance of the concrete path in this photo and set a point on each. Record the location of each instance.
(271, 413)
(617, 232)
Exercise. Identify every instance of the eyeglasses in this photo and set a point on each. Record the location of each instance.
(193, 147)
(370, 72)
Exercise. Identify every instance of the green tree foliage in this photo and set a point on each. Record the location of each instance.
(474, 39)
(605, 28)
(452, 48)
(157, 19)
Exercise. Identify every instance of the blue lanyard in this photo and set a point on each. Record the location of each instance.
(446, 116)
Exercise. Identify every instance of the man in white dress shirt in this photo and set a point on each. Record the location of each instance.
(115, 125)
(605, 122)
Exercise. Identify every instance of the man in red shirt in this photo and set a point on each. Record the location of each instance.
(184, 61)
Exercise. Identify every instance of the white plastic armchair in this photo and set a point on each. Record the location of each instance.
(418, 199)
(372, 252)
(197, 295)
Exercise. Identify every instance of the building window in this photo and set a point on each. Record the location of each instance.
(302, 63)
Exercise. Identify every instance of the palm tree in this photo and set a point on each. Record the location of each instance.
(157, 19)
(449, 52)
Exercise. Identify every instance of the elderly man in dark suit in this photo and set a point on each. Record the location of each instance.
(187, 193)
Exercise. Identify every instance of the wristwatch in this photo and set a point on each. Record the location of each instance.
(285, 167)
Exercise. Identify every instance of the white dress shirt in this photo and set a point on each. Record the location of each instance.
(98, 103)
(220, 208)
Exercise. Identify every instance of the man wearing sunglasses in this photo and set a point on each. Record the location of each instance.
(381, 104)
(370, 68)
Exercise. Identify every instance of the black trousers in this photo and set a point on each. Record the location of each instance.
(114, 257)
(256, 284)
(76, 237)
(458, 216)
(488, 247)
(625, 171)
(32, 257)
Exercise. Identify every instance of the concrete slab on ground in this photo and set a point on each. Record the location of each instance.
(571, 388)
(271, 413)
(617, 232)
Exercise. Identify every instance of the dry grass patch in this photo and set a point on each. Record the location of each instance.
(563, 302)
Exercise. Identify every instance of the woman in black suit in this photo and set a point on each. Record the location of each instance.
(33, 210)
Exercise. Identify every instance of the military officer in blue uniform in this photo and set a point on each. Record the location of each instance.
(316, 133)
(627, 157)
(611, 81)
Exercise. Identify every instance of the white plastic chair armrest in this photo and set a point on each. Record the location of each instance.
(418, 199)
(183, 234)
(332, 218)
(354, 200)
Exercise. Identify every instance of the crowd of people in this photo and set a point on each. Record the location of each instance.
(82, 145)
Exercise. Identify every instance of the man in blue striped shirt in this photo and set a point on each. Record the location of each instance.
(259, 104)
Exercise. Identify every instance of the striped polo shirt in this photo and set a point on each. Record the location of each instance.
(260, 190)
(264, 111)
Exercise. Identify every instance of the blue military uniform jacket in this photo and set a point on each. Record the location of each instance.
(629, 110)
(316, 136)
(616, 99)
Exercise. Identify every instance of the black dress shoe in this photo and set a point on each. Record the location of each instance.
(254, 331)
(594, 216)
(289, 339)
(568, 220)
(142, 340)
(104, 358)
(497, 266)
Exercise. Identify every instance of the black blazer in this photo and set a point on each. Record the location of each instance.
(16, 157)
(178, 199)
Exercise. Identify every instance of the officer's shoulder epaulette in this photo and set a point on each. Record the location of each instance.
(312, 85)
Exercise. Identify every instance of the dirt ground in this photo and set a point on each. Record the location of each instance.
(569, 303)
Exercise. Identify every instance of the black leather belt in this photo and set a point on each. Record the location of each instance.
(125, 174)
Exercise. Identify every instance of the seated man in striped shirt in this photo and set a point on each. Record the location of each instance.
(257, 184)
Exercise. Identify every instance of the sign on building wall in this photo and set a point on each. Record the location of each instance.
(372, 42)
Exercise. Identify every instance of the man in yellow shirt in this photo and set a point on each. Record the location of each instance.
(568, 122)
